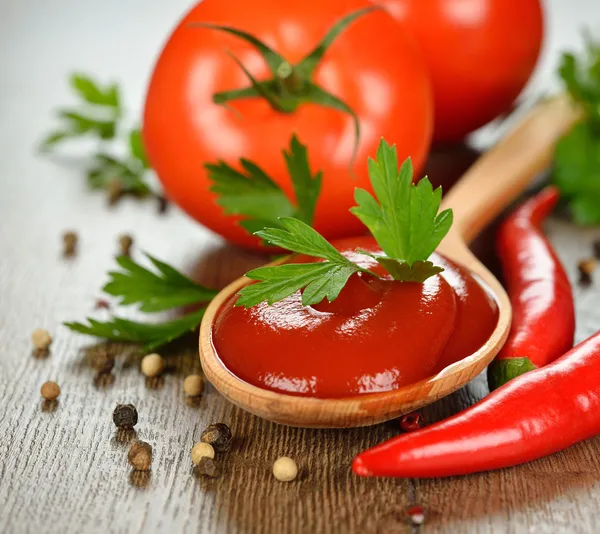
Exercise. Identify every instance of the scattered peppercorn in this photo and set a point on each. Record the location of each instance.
(102, 304)
(50, 390)
(70, 239)
(163, 204)
(416, 515)
(102, 361)
(114, 190)
(153, 365)
(411, 421)
(596, 247)
(125, 244)
(140, 455)
(41, 339)
(218, 435)
(201, 450)
(193, 385)
(285, 469)
(125, 416)
(208, 467)
(586, 268)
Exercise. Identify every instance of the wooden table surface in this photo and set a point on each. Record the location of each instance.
(65, 471)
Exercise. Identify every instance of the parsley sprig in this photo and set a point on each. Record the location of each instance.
(153, 291)
(402, 217)
(319, 280)
(577, 156)
(252, 194)
(99, 115)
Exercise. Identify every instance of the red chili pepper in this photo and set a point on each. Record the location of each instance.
(543, 322)
(539, 413)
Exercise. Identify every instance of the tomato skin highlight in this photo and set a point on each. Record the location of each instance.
(382, 79)
(480, 54)
(379, 335)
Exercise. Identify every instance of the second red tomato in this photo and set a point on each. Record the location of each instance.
(480, 55)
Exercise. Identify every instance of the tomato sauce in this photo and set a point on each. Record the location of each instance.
(378, 335)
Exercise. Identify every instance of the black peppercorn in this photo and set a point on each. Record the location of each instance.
(125, 416)
(208, 467)
(163, 204)
(218, 435)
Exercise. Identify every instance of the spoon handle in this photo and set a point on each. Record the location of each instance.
(502, 173)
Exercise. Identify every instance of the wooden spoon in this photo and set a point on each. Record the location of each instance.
(489, 185)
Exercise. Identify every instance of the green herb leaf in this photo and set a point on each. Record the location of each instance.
(255, 196)
(419, 271)
(577, 172)
(93, 93)
(301, 238)
(581, 76)
(306, 186)
(80, 124)
(136, 146)
(109, 168)
(154, 292)
(54, 138)
(251, 194)
(404, 219)
(576, 169)
(320, 280)
(157, 291)
(151, 336)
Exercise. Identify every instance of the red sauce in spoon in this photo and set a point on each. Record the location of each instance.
(378, 335)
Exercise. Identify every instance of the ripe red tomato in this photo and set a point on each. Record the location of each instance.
(371, 66)
(480, 54)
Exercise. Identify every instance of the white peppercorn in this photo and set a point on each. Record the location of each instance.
(285, 469)
(202, 450)
(153, 365)
(41, 339)
(193, 385)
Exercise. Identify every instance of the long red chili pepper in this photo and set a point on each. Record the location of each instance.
(541, 412)
(543, 321)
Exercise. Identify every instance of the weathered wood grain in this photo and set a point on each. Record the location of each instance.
(63, 468)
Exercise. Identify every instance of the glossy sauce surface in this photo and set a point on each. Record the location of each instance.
(377, 336)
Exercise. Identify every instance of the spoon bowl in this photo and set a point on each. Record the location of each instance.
(491, 184)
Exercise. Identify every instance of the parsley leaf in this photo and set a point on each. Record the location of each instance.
(576, 169)
(153, 292)
(252, 194)
(127, 174)
(99, 115)
(93, 93)
(319, 280)
(149, 335)
(404, 218)
(581, 77)
(306, 186)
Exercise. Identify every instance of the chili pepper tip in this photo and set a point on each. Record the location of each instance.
(359, 468)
